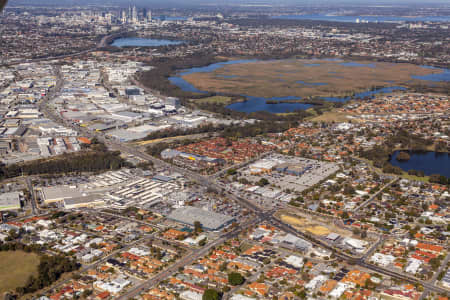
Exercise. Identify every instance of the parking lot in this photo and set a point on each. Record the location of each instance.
(284, 176)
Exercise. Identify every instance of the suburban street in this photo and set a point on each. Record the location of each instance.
(186, 260)
(211, 183)
(368, 201)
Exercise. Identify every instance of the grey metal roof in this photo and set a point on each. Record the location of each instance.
(209, 220)
(9, 201)
(82, 199)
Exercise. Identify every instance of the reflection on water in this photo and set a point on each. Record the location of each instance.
(143, 42)
(428, 162)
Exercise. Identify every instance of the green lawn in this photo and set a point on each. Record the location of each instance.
(15, 268)
(417, 178)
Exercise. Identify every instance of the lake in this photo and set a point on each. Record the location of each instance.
(371, 19)
(428, 162)
(370, 94)
(254, 104)
(142, 42)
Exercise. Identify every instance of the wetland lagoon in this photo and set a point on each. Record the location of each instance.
(264, 82)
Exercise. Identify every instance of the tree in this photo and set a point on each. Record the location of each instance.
(202, 242)
(231, 171)
(86, 293)
(403, 156)
(235, 278)
(198, 227)
(263, 182)
(363, 234)
(436, 178)
(211, 294)
(345, 215)
(147, 165)
(349, 190)
(435, 263)
(388, 168)
(2, 4)
(223, 267)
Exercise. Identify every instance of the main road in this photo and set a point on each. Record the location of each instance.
(33, 200)
(371, 198)
(101, 44)
(186, 260)
(261, 215)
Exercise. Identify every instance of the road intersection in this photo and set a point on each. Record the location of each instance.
(211, 183)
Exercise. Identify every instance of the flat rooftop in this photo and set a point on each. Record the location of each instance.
(9, 201)
(58, 193)
(209, 220)
(83, 199)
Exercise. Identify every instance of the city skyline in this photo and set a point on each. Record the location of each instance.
(224, 150)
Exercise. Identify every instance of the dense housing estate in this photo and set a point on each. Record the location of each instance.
(119, 179)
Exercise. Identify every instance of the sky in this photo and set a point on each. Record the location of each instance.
(181, 3)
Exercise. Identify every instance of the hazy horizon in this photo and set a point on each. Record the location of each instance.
(183, 3)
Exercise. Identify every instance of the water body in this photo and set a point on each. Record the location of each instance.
(356, 64)
(143, 42)
(444, 76)
(215, 66)
(254, 104)
(370, 94)
(312, 83)
(370, 19)
(258, 103)
(428, 162)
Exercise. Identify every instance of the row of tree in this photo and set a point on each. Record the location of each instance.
(84, 161)
(158, 78)
(229, 131)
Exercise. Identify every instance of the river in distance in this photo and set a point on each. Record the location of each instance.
(142, 42)
(369, 19)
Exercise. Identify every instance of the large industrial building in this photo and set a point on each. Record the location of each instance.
(293, 169)
(209, 220)
(10, 201)
(59, 193)
(93, 200)
(292, 242)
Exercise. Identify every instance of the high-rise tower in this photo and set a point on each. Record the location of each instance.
(134, 16)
